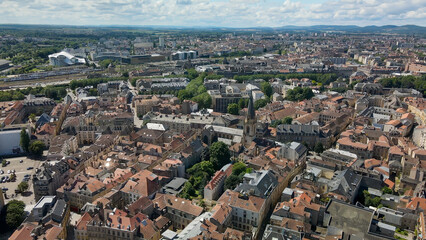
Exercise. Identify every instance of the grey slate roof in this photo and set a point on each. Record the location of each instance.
(258, 183)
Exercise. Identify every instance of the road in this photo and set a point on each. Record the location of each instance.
(137, 122)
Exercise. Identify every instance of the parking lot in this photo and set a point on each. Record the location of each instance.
(22, 166)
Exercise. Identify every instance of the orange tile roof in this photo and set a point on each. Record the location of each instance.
(23, 233)
(417, 203)
(348, 142)
(393, 122)
(82, 222)
(390, 184)
(167, 200)
(53, 233)
(221, 212)
(252, 203)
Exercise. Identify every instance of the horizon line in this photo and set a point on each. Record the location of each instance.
(194, 26)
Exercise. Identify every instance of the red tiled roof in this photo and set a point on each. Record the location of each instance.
(417, 203)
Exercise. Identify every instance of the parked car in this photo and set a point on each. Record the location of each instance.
(29, 168)
(27, 175)
(5, 189)
(1, 171)
(21, 161)
(8, 171)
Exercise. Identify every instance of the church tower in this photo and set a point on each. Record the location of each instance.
(250, 121)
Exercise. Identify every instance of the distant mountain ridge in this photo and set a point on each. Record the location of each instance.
(408, 29)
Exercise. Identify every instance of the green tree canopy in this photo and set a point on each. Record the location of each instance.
(232, 181)
(105, 63)
(299, 94)
(233, 108)
(25, 140)
(287, 120)
(219, 154)
(266, 88)
(23, 186)
(32, 117)
(238, 168)
(319, 148)
(15, 213)
(242, 103)
(260, 103)
(204, 166)
(36, 148)
(387, 190)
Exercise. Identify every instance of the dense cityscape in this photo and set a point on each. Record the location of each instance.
(212, 133)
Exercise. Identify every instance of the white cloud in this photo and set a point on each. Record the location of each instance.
(229, 13)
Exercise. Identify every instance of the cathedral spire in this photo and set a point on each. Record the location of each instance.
(250, 111)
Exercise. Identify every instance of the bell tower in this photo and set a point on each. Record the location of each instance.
(250, 121)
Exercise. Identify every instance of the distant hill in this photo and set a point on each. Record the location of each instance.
(405, 29)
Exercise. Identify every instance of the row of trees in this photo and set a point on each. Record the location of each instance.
(323, 78)
(54, 92)
(195, 90)
(418, 83)
(93, 81)
(217, 156)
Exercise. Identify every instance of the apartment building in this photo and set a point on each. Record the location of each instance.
(214, 188)
(180, 211)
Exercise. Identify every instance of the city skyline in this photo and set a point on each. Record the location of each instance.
(215, 13)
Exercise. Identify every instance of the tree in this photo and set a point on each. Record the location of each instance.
(319, 148)
(299, 94)
(233, 109)
(192, 73)
(387, 190)
(125, 74)
(260, 103)
(287, 120)
(232, 181)
(25, 140)
(3, 163)
(219, 154)
(369, 201)
(32, 117)
(15, 213)
(188, 190)
(105, 63)
(36, 148)
(266, 88)
(242, 103)
(204, 166)
(204, 100)
(23, 186)
(238, 168)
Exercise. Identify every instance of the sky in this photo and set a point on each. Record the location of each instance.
(219, 13)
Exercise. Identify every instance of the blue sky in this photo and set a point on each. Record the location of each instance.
(225, 13)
